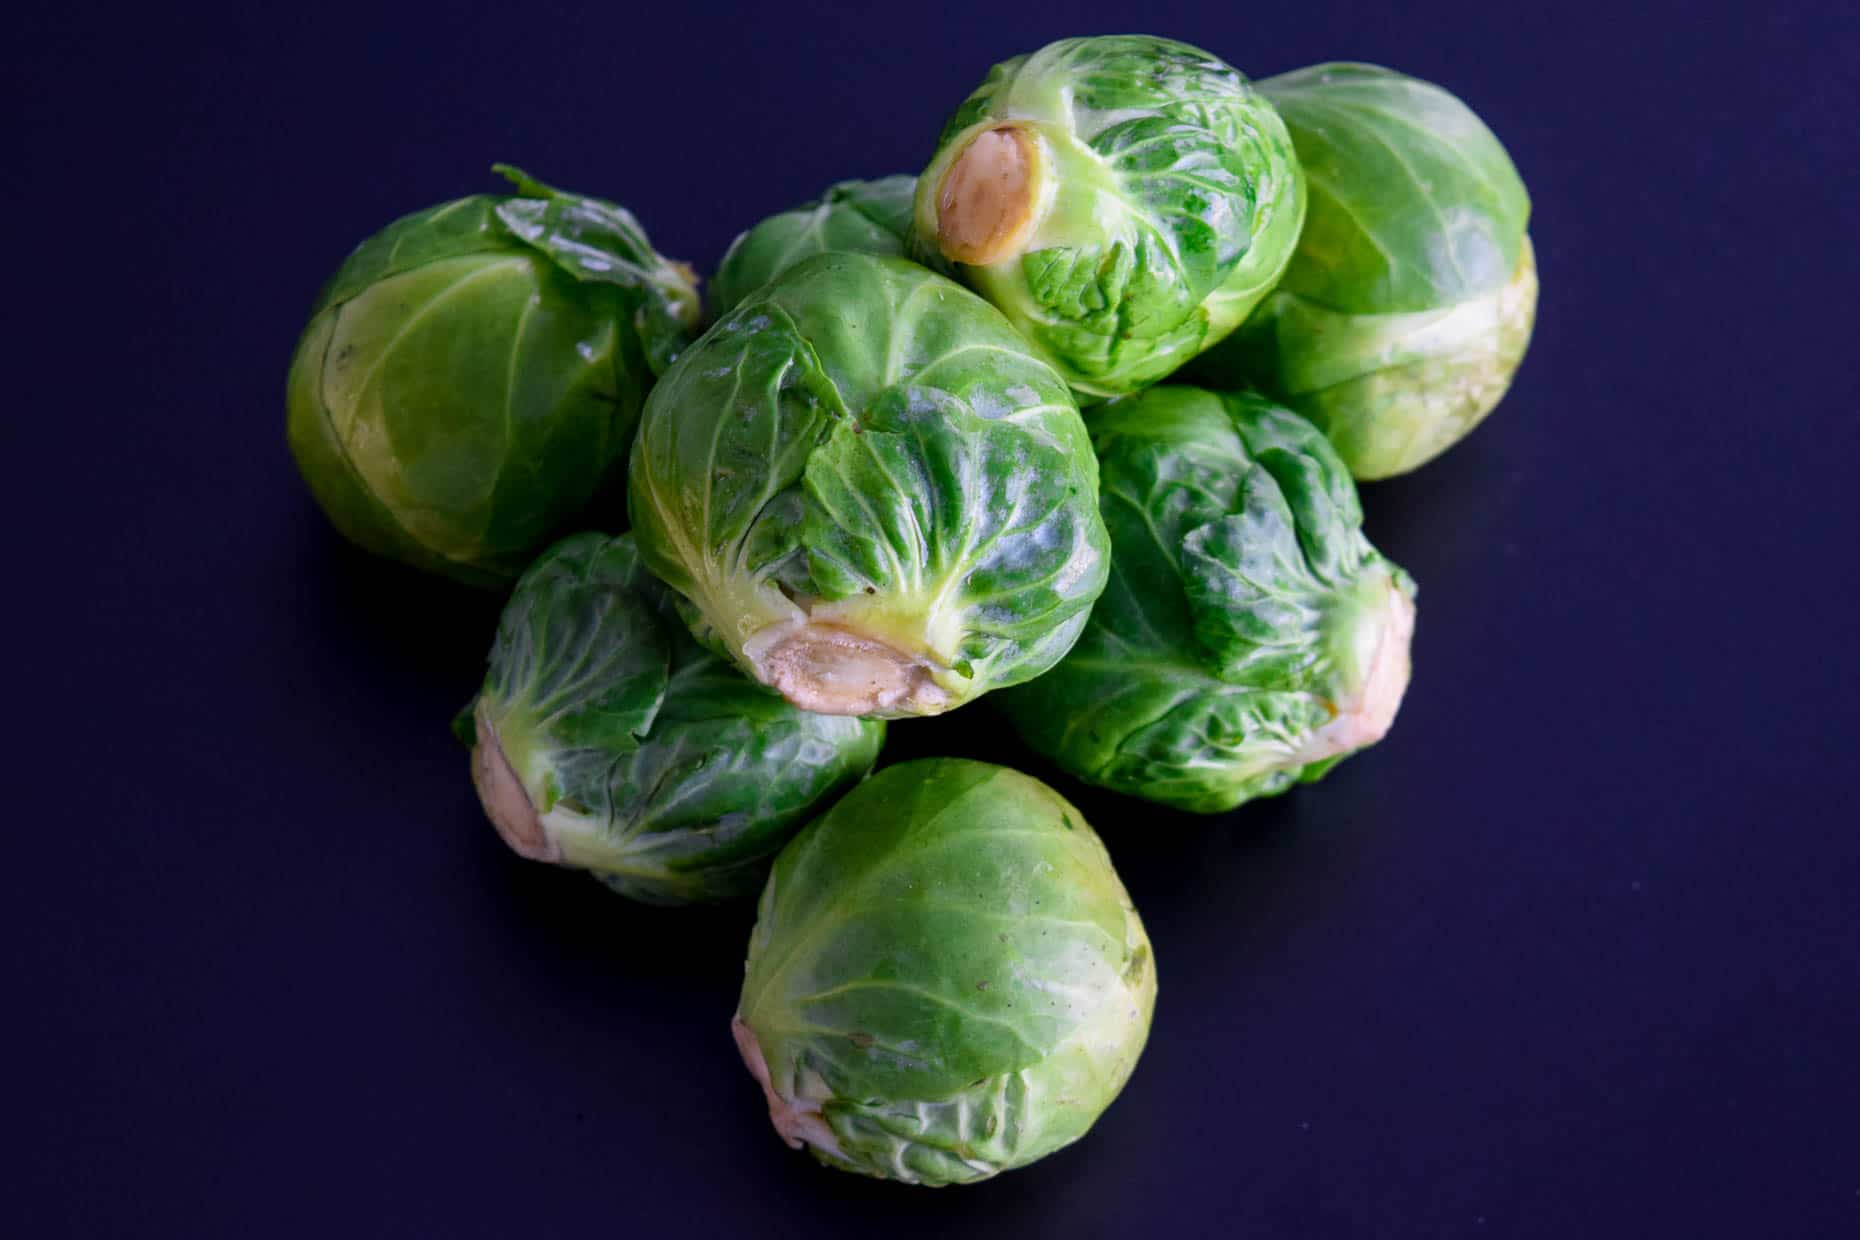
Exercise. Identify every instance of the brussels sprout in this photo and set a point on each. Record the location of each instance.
(607, 739)
(1250, 636)
(874, 497)
(1126, 201)
(473, 373)
(862, 217)
(1409, 303)
(946, 978)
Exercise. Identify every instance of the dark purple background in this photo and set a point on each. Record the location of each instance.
(1573, 953)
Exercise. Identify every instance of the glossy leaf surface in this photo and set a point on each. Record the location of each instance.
(862, 217)
(1163, 203)
(473, 373)
(946, 978)
(1250, 634)
(864, 451)
(641, 756)
(1409, 303)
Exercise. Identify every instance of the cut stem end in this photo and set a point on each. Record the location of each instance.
(505, 802)
(984, 207)
(1364, 717)
(798, 1120)
(834, 671)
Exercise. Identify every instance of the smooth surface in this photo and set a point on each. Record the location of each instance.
(1573, 953)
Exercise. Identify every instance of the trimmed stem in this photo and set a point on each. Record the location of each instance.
(985, 204)
(505, 802)
(835, 671)
(798, 1120)
(1363, 716)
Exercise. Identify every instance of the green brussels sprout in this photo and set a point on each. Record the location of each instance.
(1408, 306)
(1250, 636)
(1126, 202)
(473, 373)
(946, 979)
(862, 217)
(873, 496)
(606, 739)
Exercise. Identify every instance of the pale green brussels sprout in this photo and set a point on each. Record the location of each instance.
(1126, 201)
(1408, 306)
(874, 496)
(472, 374)
(606, 739)
(1250, 637)
(862, 217)
(946, 979)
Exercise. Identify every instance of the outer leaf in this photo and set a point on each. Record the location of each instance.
(578, 654)
(1255, 603)
(601, 243)
(1414, 202)
(972, 529)
(1262, 581)
(408, 401)
(946, 978)
(863, 217)
(1325, 509)
(450, 230)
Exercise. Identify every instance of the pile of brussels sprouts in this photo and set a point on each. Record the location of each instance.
(921, 449)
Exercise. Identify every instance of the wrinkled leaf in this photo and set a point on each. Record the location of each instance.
(1249, 633)
(1176, 202)
(649, 761)
(866, 446)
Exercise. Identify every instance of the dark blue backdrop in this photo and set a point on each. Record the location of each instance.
(1571, 954)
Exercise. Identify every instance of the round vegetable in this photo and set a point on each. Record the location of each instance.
(605, 738)
(946, 978)
(1408, 306)
(473, 373)
(861, 217)
(1250, 636)
(1126, 202)
(874, 496)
